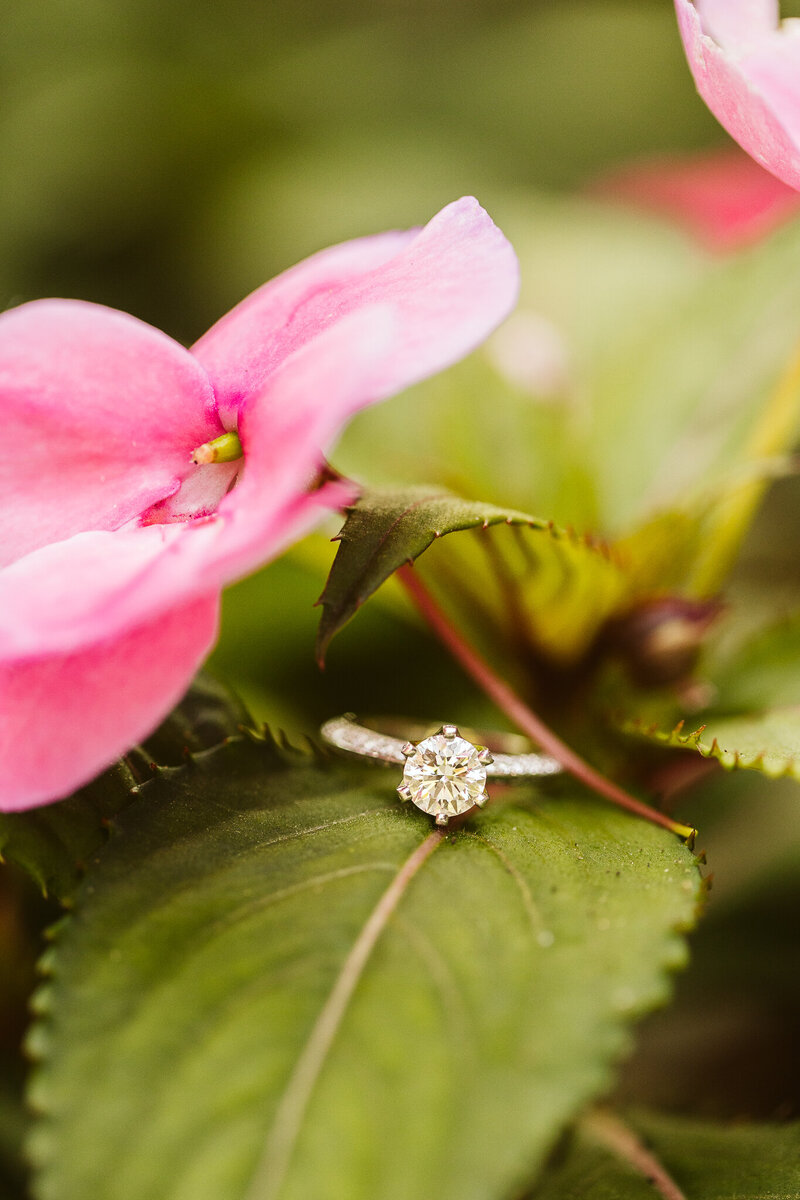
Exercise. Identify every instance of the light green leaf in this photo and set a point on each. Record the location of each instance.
(768, 742)
(677, 408)
(762, 672)
(754, 721)
(539, 588)
(257, 996)
(706, 1161)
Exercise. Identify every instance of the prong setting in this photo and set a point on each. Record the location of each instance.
(444, 774)
(483, 800)
(485, 756)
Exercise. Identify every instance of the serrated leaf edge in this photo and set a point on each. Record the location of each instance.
(774, 766)
(494, 517)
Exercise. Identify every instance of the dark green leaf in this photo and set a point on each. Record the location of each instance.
(234, 1009)
(706, 1161)
(383, 531)
(13, 1125)
(541, 583)
(55, 843)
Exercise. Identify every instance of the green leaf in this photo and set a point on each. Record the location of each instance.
(676, 409)
(56, 842)
(233, 929)
(761, 672)
(13, 1126)
(386, 529)
(706, 1161)
(754, 720)
(257, 996)
(553, 588)
(768, 742)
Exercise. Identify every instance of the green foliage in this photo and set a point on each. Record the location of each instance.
(759, 674)
(231, 1009)
(541, 587)
(674, 410)
(183, 180)
(387, 529)
(480, 434)
(768, 742)
(761, 671)
(707, 1161)
(55, 844)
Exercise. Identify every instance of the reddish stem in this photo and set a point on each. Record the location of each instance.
(616, 1136)
(518, 712)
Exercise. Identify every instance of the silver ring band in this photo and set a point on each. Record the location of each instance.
(345, 733)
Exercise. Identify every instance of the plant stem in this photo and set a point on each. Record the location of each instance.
(617, 1137)
(518, 712)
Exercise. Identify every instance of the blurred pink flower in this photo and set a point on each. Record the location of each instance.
(723, 198)
(115, 545)
(746, 65)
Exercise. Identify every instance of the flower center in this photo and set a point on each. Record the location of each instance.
(216, 468)
(225, 448)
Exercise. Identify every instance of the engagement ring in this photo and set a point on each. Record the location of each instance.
(444, 774)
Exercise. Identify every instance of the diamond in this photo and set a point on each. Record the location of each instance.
(445, 775)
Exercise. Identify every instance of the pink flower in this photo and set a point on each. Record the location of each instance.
(723, 198)
(115, 544)
(746, 65)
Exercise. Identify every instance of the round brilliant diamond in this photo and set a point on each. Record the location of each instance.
(445, 775)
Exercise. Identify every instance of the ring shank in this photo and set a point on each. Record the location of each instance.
(345, 733)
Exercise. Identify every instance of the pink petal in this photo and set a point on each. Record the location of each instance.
(772, 66)
(62, 600)
(449, 285)
(286, 431)
(752, 87)
(87, 588)
(99, 415)
(63, 718)
(724, 198)
(735, 22)
(101, 584)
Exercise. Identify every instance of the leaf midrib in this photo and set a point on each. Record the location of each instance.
(271, 1170)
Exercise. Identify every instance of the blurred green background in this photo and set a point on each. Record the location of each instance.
(166, 158)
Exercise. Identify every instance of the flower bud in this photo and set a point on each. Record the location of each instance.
(659, 641)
